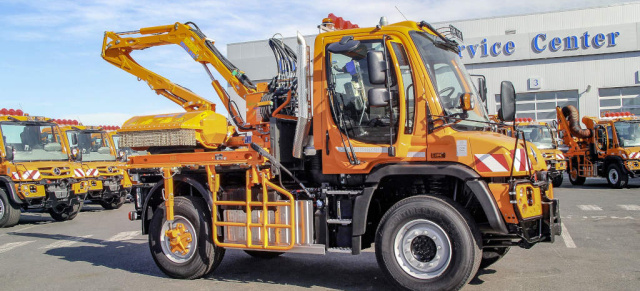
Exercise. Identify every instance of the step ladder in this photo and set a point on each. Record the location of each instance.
(258, 228)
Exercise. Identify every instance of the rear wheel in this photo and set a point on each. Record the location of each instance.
(113, 202)
(616, 177)
(557, 180)
(9, 211)
(428, 242)
(574, 178)
(491, 255)
(63, 212)
(200, 255)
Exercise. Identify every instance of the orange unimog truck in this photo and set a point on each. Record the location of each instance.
(36, 169)
(383, 143)
(542, 136)
(102, 165)
(609, 147)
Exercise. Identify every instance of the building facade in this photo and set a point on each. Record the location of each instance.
(589, 58)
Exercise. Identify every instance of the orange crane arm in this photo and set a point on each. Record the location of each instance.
(117, 48)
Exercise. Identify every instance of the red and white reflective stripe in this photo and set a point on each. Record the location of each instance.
(31, 175)
(92, 173)
(634, 156)
(491, 163)
(15, 176)
(560, 157)
(521, 164)
(79, 173)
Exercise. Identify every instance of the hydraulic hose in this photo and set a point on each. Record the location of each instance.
(571, 114)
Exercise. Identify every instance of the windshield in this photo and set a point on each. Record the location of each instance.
(628, 133)
(539, 135)
(450, 79)
(94, 145)
(33, 142)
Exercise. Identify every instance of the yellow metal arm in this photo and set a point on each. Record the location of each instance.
(117, 48)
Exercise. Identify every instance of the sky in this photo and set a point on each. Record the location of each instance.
(50, 62)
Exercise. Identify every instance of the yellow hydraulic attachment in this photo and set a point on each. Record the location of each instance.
(200, 125)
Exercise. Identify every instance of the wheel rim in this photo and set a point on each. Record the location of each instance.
(613, 176)
(573, 174)
(1, 209)
(166, 244)
(422, 249)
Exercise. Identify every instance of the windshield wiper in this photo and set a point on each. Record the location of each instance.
(351, 154)
(447, 44)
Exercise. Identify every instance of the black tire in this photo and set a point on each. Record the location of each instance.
(114, 202)
(616, 176)
(491, 255)
(64, 213)
(557, 180)
(263, 255)
(417, 221)
(9, 211)
(574, 178)
(204, 256)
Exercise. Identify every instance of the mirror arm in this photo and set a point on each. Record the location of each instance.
(392, 149)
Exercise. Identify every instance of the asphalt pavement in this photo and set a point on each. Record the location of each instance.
(103, 250)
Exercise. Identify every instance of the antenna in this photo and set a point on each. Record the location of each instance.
(405, 18)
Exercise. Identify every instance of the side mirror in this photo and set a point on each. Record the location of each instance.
(76, 154)
(377, 68)
(507, 101)
(349, 47)
(9, 153)
(466, 102)
(482, 89)
(378, 97)
(481, 86)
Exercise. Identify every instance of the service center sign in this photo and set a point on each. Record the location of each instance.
(552, 44)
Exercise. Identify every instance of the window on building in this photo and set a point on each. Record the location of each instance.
(541, 106)
(620, 99)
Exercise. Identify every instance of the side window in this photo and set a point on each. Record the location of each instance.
(72, 138)
(407, 82)
(348, 82)
(610, 134)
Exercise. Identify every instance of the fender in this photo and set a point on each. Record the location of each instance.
(479, 188)
(615, 160)
(10, 186)
(155, 192)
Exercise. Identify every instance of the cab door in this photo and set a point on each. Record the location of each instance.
(365, 117)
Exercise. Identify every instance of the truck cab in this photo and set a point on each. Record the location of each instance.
(101, 164)
(543, 136)
(36, 170)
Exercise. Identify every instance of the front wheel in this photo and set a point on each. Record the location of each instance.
(428, 242)
(557, 180)
(616, 177)
(63, 212)
(574, 178)
(199, 255)
(113, 202)
(9, 211)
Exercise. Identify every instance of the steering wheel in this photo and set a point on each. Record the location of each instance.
(450, 89)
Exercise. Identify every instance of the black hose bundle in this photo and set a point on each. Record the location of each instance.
(284, 83)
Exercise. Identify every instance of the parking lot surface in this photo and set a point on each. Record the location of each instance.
(102, 250)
